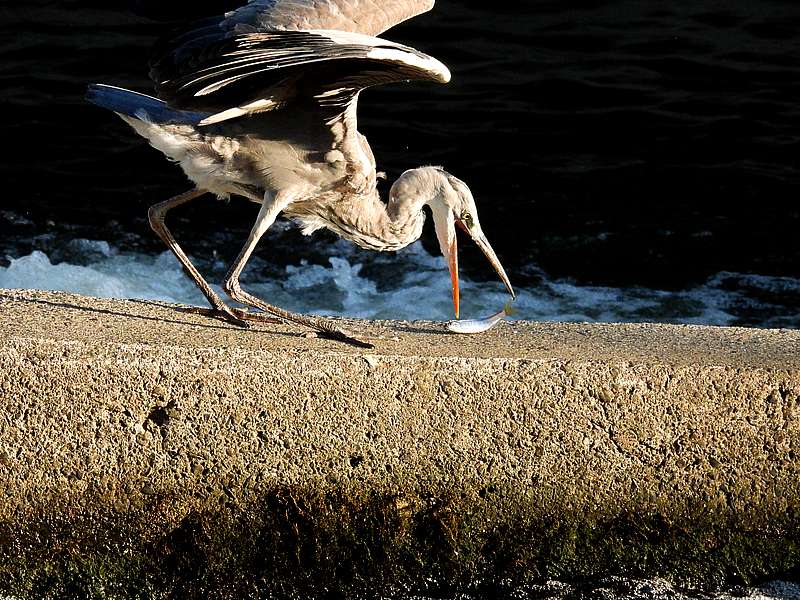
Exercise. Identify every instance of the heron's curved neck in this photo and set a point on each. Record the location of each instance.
(364, 219)
(406, 218)
(370, 223)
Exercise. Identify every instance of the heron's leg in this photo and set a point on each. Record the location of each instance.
(157, 215)
(270, 210)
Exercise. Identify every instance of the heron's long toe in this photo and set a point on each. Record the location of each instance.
(257, 317)
(224, 314)
(334, 332)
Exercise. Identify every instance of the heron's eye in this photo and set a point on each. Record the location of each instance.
(466, 218)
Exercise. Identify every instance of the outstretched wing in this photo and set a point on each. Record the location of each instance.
(370, 17)
(233, 75)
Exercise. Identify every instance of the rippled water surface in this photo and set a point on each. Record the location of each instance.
(611, 144)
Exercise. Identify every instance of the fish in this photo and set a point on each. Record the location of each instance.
(471, 326)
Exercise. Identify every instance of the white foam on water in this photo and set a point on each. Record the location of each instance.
(411, 285)
(115, 276)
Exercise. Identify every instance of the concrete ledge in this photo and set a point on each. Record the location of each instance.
(536, 450)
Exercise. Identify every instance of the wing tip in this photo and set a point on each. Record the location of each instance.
(434, 68)
(444, 74)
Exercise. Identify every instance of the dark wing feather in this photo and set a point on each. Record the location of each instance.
(370, 17)
(253, 72)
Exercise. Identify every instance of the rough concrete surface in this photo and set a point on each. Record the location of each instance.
(107, 406)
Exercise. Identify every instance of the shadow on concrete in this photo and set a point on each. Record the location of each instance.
(193, 310)
(422, 329)
(114, 313)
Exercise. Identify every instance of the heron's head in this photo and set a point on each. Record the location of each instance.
(452, 204)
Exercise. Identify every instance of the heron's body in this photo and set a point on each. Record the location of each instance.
(262, 103)
(334, 177)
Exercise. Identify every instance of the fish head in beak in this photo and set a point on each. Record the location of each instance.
(455, 205)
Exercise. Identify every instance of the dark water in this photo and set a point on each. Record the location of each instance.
(614, 143)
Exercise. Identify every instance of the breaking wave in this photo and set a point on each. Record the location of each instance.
(410, 285)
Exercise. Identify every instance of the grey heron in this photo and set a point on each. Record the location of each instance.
(261, 102)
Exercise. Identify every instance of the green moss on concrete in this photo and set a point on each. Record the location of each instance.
(706, 551)
(295, 543)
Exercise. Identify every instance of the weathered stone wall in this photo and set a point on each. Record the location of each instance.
(140, 415)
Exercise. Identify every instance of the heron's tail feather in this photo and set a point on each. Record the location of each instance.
(133, 104)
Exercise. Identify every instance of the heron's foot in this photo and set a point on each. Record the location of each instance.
(256, 317)
(331, 331)
(323, 328)
(230, 315)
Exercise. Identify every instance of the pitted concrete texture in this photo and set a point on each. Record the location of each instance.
(105, 404)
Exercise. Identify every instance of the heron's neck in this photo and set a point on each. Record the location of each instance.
(373, 224)
(406, 218)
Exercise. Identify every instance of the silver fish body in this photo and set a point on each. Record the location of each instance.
(472, 326)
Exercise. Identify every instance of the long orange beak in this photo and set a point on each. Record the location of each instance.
(452, 263)
(446, 233)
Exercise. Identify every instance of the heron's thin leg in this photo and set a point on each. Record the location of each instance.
(270, 210)
(157, 215)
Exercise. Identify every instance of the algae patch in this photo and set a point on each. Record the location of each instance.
(297, 543)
